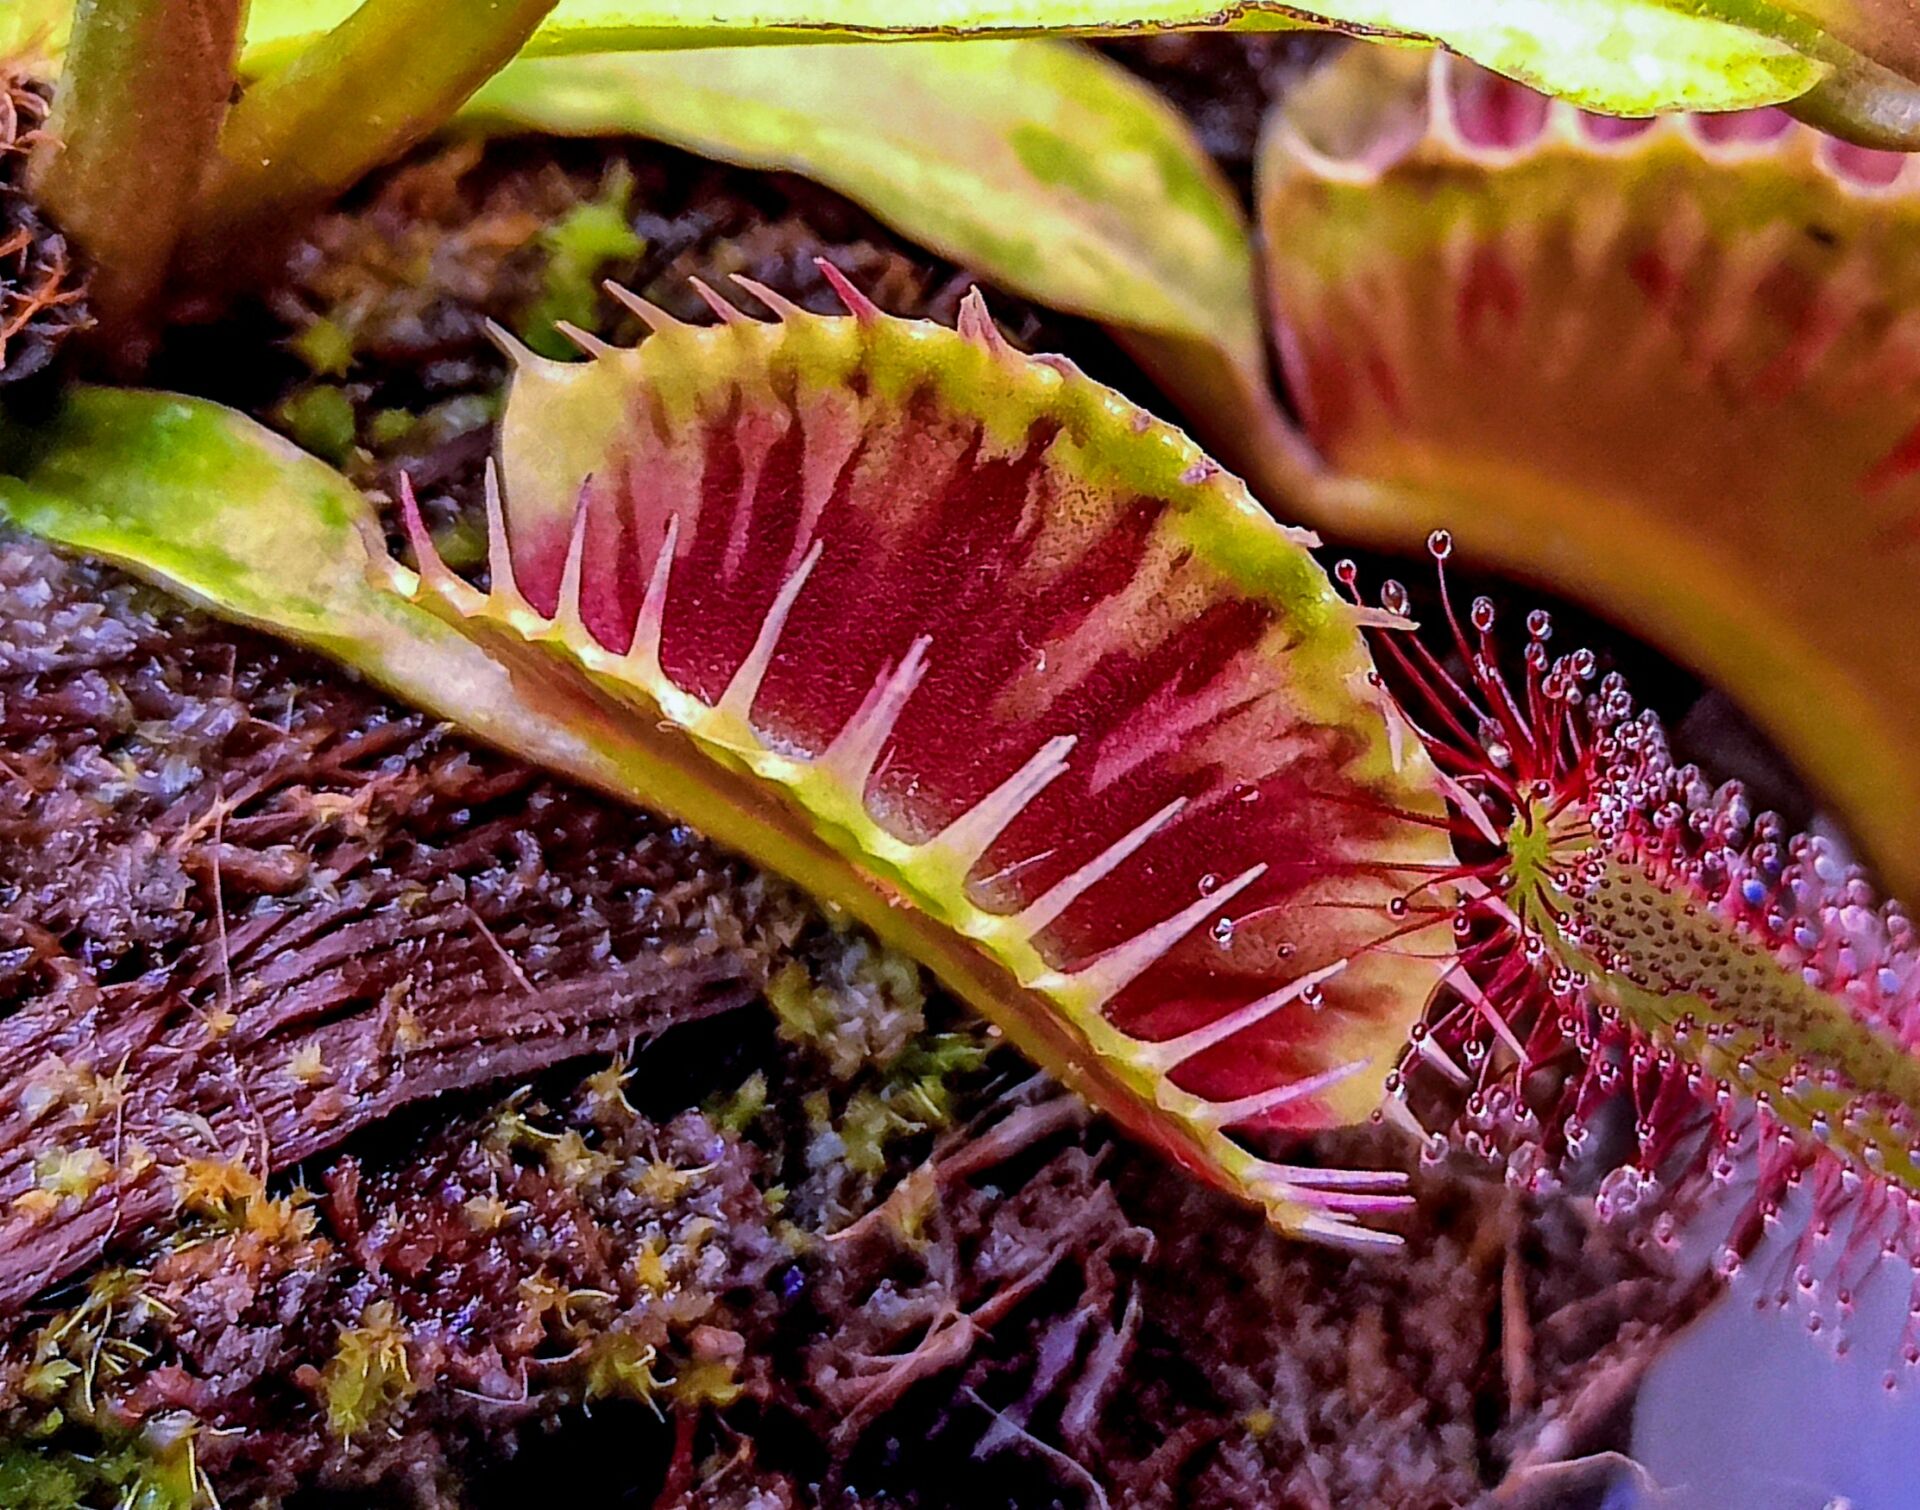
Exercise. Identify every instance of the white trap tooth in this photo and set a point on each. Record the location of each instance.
(1369, 617)
(1174, 1051)
(971, 834)
(1461, 979)
(737, 700)
(976, 323)
(589, 344)
(512, 347)
(1396, 1111)
(1044, 909)
(1358, 1203)
(505, 597)
(1246, 1108)
(432, 568)
(1110, 974)
(718, 305)
(646, 311)
(643, 651)
(568, 620)
(1474, 809)
(1335, 1179)
(1341, 1232)
(1441, 1060)
(858, 304)
(782, 306)
(855, 750)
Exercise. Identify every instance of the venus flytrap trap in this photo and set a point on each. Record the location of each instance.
(1017, 655)
(965, 643)
(1668, 367)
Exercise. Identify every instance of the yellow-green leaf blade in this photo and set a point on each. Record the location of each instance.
(1622, 56)
(1041, 162)
(1628, 56)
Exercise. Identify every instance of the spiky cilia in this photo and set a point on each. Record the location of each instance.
(1643, 935)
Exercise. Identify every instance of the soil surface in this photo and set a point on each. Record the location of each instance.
(382, 1122)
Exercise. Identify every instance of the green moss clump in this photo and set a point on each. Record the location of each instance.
(620, 1366)
(859, 1009)
(132, 1476)
(734, 1114)
(579, 246)
(326, 347)
(369, 1375)
(319, 418)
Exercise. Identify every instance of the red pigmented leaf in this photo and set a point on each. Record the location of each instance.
(922, 621)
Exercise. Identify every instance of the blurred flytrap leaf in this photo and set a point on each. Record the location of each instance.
(907, 616)
(1672, 368)
(1042, 166)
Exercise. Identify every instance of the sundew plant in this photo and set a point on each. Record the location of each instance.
(1009, 671)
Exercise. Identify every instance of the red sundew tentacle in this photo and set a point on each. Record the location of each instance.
(1742, 996)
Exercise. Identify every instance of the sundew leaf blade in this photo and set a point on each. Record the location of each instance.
(1039, 165)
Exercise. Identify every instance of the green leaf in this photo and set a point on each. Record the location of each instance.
(1045, 168)
(1859, 58)
(357, 97)
(1628, 56)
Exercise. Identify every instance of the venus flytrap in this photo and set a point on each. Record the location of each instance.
(1008, 671)
(997, 664)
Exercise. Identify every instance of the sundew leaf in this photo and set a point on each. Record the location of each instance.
(1040, 165)
(1642, 951)
(1674, 371)
(959, 640)
(1628, 56)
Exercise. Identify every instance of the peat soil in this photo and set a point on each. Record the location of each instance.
(554, 1209)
